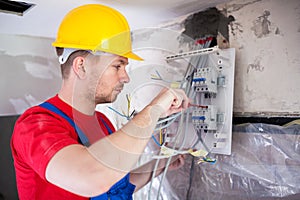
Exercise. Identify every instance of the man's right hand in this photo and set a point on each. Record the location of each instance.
(171, 101)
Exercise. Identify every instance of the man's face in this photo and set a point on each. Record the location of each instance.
(112, 79)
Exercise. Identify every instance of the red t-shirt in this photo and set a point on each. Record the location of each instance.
(38, 135)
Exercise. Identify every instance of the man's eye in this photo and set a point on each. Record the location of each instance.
(117, 66)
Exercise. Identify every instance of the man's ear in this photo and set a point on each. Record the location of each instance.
(78, 67)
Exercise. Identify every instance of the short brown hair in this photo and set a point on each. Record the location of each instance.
(65, 68)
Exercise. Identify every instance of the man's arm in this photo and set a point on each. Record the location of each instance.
(92, 171)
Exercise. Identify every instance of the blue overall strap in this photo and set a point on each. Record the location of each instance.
(106, 126)
(84, 140)
(122, 190)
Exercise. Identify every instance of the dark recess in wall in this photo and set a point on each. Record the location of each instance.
(8, 190)
(265, 120)
(207, 23)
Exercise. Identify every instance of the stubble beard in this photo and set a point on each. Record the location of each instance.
(100, 98)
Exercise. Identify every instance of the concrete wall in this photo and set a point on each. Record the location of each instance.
(266, 35)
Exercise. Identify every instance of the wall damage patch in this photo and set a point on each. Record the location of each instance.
(263, 27)
(207, 23)
(256, 66)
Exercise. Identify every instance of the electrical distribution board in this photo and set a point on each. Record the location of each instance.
(207, 76)
(211, 88)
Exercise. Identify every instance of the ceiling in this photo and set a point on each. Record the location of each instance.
(44, 18)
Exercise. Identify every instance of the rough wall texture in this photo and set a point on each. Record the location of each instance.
(266, 35)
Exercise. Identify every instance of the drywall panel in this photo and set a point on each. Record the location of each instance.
(29, 72)
(266, 35)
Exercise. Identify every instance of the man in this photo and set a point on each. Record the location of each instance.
(63, 149)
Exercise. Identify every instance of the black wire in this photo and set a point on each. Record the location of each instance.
(191, 178)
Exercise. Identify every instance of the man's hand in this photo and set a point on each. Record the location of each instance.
(171, 101)
(177, 163)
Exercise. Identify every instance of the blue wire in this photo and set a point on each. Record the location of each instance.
(118, 113)
(128, 119)
(155, 140)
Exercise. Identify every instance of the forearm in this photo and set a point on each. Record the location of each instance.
(121, 150)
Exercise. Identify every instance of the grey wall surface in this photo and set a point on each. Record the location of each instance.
(7, 172)
(30, 72)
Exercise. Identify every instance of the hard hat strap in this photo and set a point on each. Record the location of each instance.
(68, 51)
(65, 55)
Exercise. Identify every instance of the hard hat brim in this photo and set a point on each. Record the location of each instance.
(133, 56)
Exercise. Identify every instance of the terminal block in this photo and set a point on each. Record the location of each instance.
(205, 118)
(205, 80)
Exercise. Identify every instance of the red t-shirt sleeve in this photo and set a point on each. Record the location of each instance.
(45, 134)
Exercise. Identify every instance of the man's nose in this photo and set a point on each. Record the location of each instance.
(124, 78)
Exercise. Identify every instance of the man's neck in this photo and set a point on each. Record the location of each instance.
(78, 102)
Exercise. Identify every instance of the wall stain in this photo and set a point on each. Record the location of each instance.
(262, 25)
(277, 31)
(256, 66)
(236, 28)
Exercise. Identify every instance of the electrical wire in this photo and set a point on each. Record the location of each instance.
(122, 115)
(160, 136)
(190, 178)
(155, 140)
(191, 170)
(169, 121)
(170, 158)
(175, 143)
(176, 137)
(179, 130)
(166, 166)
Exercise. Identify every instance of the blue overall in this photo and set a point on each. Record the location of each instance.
(123, 189)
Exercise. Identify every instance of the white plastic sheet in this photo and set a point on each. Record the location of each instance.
(264, 164)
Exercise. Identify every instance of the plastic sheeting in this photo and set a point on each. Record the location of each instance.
(264, 164)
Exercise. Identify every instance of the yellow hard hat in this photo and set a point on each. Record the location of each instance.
(96, 27)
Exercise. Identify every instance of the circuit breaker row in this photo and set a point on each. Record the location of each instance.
(205, 118)
(205, 80)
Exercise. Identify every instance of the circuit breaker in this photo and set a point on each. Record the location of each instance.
(205, 80)
(205, 118)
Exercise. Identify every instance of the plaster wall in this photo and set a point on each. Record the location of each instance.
(266, 36)
(29, 72)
